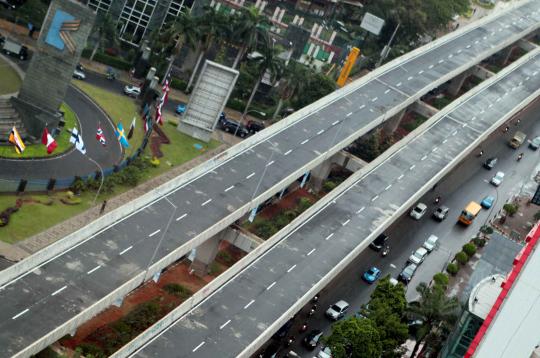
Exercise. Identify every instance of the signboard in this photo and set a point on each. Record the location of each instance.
(58, 35)
(372, 23)
(347, 67)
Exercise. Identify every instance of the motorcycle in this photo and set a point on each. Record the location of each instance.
(289, 341)
(520, 156)
(437, 200)
(315, 298)
(303, 328)
(385, 250)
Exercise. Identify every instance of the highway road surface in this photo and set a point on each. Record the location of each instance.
(44, 299)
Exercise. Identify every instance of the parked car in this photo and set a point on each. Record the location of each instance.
(78, 74)
(14, 49)
(418, 256)
(431, 243)
(132, 91)
(418, 211)
(407, 273)
(487, 202)
(254, 126)
(371, 275)
(312, 339)
(180, 108)
(337, 310)
(379, 242)
(490, 163)
(325, 352)
(441, 213)
(497, 179)
(230, 126)
(534, 144)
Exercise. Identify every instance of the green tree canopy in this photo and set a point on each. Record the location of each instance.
(357, 336)
(315, 86)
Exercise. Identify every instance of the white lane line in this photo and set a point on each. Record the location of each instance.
(388, 187)
(399, 84)
(527, 78)
(249, 304)
(459, 51)
(229, 188)
(125, 250)
(374, 198)
(270, 163)
(271, 285)
(304, 141)
(249, 176)
(423, 158)
(430, 67)
(58, 291)
(464, 125)
(441, 61)
(349, 114)
(360, 210)
(434, 149)
(312, 251)
(400, 177)
(329, 236)
(374, 99)
(20, 314)
(199, 346)
(346, 222)
(93, 270)
(291, 268)
(224, 324)
(336, 122)
(362, 106)
(371, 110)
(206, 202)
(473, 118)
(476, 42)
(412, 167)
(444, 141)
(450, 56)
(320, 132)
(468, 46)
(393, 266)
(386, 92)
(420, 72)
(288, 152)
(454, 132)
(154, 233)
(181, 217)
(409, 78)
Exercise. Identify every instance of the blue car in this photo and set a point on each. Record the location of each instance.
(487, 202)
(372, 275)
(181, 108)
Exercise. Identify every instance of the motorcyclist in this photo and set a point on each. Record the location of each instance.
(520, 156)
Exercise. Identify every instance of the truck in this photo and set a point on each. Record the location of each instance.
(517, 140)
(15, 49)
(469, 213)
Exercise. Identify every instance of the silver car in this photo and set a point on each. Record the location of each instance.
(418, 256)
(337, 310)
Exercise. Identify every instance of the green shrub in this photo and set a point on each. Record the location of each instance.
(290, 215)
(265, 229)
(91, 349)
(178, 290)
(112, 61)
(469, 249)
(452, 269)
(131, 175)
(510, 209)
(281, 221)
(303, 204)
(441, 279)
(329, 185)
(178, 84)
(225, 257)
(479, 242)
(462, 258)
(78, 186)
(486, 229)
(236, 104)
(214, 269)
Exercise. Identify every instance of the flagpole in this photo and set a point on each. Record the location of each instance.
(102, 178)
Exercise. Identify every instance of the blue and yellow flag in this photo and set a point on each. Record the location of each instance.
(121, 135)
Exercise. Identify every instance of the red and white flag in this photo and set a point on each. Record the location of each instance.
(164, 96)
(159, 116)
(48, 141)
(100, 136)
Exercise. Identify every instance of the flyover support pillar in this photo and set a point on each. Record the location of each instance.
(482, 72)
(206, 253)
(504, 55)
(424, 109)
(455, 84)
(392, 124)
(527, 45)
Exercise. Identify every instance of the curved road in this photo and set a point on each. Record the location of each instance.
(73, 162)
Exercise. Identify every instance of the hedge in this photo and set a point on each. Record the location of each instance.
(441, 279)
(452, 269)
(469, 249)
(112, 61)
(178, 84)
(462, 257)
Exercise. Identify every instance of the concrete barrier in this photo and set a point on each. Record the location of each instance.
(213, 286)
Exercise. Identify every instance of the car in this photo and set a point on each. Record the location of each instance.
(418, 211)
(132, 91)
(487, 202)
(441, 213)
(490, 163)
(325, 352)
(379, 242)
(78, 74)
(534, 144)
(431, 243)
(254, 126)
(272, 350)
(312, 339)
(407, 273)
(230, 126)
(180, 108)
(371, 275)
(497, 179)
(418, 256)
(337, 310)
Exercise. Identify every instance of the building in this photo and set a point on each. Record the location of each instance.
(137, 18)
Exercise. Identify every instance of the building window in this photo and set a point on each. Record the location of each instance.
(100, 5)
(135, 16)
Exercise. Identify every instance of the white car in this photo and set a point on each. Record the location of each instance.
(497, 179)
(418, 211)
(78, 74)
(431, 243)
(325, 352)
(337, 310)
(418, 256)
(132, 91)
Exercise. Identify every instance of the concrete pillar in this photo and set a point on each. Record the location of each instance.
(276, 12)
(310, 49)
(313, 29)
(242, 239)
(282, 13)
(319, 174)
(319, 31)
(332, 54)
(424, 109)
(263, 5)
(301, 21)
(456, 83)
(391, 124)
(332, 37)
(206, 253)
(504, 55)
(295, 19)
(350, 161)
(527, 45)
(481, 72)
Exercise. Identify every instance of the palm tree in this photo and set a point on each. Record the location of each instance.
(249, 30)
(105, 31)
(294, 77)
(434, 308)
(185, 32)
(266, 61)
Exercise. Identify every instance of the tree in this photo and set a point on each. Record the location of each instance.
(249, 31)
(184, 32)
(356, 337)
(390, 294)
(434, 308)
(292, 82)
(316, 85)
(105, 31)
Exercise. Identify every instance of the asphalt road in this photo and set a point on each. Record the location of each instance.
(243, 309)
(49, 296)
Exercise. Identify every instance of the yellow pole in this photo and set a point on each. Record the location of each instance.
(346, 70)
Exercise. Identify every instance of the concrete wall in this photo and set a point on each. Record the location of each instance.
(424, 109)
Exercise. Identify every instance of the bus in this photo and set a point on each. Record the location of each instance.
(469, 213)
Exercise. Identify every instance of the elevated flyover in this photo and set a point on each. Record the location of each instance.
(243, 313)
(51, 293)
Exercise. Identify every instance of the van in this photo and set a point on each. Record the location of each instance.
(14, 49)
(469, 213)
(517, 140)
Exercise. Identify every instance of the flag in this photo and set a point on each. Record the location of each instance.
(77, 139)
(121, 136)
(48, 141)
(99, 135)
(162, 100)
(131, 129)
(159, 117)
(147, 124)
(165, 89)
(16, 140)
